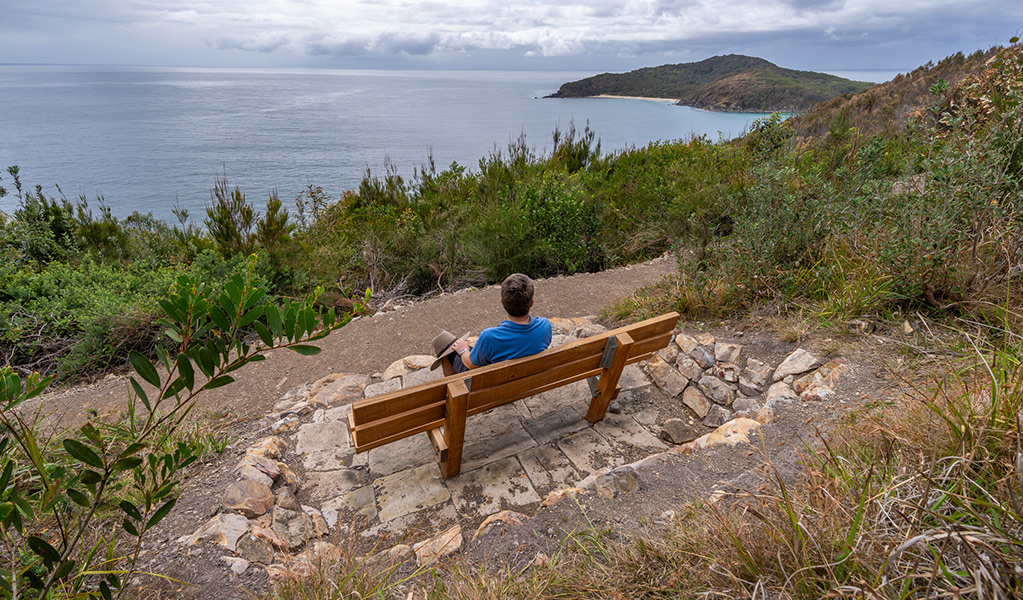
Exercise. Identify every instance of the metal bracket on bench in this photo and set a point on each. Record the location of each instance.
(592, 382)
(610, 347)
(468, 383)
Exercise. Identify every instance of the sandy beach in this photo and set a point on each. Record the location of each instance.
(672, 100)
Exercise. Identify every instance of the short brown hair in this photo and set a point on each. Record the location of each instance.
(517, 294)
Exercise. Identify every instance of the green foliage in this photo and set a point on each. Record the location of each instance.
(50, 497)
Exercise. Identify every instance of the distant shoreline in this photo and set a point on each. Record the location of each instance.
(672, 100)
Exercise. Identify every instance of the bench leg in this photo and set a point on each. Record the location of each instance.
(454, 427)
(607, 385)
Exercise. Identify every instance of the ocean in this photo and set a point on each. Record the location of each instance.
(145, 138)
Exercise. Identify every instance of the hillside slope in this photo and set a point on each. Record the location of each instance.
(884, 108)
(732, 83)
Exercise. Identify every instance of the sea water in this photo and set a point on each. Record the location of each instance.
(147, 138)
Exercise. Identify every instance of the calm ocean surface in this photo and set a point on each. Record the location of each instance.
(146, 137)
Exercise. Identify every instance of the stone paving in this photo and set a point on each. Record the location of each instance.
(514, 456)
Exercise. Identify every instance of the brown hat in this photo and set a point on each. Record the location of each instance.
(442, 346)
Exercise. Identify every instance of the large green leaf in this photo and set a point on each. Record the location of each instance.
(161, 513)
(305, 350)
(144, 368)
(83, 453)
(264, 333)
(219, 382)
(141, 393)
(186, 370)
(45, 551)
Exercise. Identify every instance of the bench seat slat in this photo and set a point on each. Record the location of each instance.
(415, 419)
(380, 407)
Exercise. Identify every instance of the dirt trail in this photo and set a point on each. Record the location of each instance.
(369, 344)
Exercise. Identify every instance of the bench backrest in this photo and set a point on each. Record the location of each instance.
(390, 417)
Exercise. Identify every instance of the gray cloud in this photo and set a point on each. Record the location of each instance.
(510, 33)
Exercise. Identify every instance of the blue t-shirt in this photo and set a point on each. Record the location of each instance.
(511, 340)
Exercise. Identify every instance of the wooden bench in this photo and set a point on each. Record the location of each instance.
(440, 407)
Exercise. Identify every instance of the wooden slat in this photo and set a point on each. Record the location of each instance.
(607, 386)
(394, 438)
(561, 374)
(503, 372)
(413, 420)
(454, 427)
(378, 407)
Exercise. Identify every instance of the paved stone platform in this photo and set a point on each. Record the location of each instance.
(514, 456)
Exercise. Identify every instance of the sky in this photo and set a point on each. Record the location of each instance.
(588, 35)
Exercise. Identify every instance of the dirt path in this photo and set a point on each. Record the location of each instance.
(369, 344)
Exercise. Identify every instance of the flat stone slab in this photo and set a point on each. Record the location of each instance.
(325, 446)
(490, 448)
(626, 430)
(496, 486)
(633, 377)
(589, 451)
(573, 394)
(326, 485)
(555, 424)
(360, 501)
(401, 455)
(407, 491)
(548, 467)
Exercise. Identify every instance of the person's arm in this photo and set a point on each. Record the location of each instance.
(462, 348)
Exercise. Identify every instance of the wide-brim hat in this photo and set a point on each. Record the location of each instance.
(442, 346)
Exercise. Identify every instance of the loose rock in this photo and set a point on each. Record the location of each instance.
(717, 416)
(440, 546)
(665, 376)
(702, 357)
(800, 361)
(717, 390)
(248, 498)
(223, 529)
(695, 400)
(688, 367)
(678, 431)
(728, 353)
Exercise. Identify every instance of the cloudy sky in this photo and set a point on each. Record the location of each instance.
(598, 35)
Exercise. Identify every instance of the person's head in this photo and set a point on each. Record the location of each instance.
(517, 295)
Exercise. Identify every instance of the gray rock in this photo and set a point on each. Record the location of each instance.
(254, 549)
(702, 357)
(292, 526)
(717, 390)
(766, 415)
(726, 372)
(717, 416)
(289, 478)
(253, 474)
(669, 353)
(746, 405)
(248, 498)
(604, 485)
(286, 424)
(237, 565)
(728, 353)
(758, 372)
(688, 367)
(678, 431)
(627, 480)
(286, 499)
(686, 343)
(224, 529)
(749, 388)
(779, 393)
(695, 400)
(585, 331)
(665, 376)
(800, 361)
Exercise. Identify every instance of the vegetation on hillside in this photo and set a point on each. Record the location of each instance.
(732, 83)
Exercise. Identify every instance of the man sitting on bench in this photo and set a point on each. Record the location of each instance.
(520, 335)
